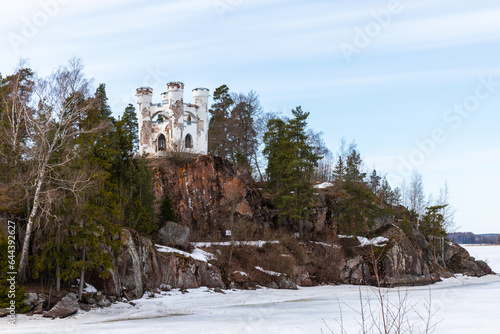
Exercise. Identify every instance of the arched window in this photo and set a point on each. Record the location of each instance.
(188, 141)
(162, 143)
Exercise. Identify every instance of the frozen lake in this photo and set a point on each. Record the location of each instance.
(461, 305)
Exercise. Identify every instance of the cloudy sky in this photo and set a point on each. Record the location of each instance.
(415, 83)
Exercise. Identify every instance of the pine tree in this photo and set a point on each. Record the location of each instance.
(432, 225)
(139, 210)
(6, 279)
(339, 171)
(274, 151)
(130, 129)
(291, 163)
(95, 219)
(356, 214)
(353, 167)
(167, 212)
(385, 193)
(396, 197)
(218, 126)
(132, 177)
(433, 221)
(374, 181)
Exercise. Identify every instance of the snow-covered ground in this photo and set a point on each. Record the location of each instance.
(463, 305)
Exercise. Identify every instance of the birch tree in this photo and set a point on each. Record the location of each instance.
(416, 195)
(58, 102)
(15, 94)
(447, 210)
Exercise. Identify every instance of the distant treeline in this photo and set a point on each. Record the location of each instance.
(471, 238)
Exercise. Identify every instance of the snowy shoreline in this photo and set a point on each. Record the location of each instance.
(268, 310)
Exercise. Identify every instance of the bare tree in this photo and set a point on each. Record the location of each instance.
(447, 211)
(15, 94)
(416, 195)
(59, 101)
(323, 172)
(243, 131)
(404, 194)
(259, 161)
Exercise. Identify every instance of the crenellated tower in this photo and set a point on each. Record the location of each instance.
(175, 91)
(144, 101)
(200, 97)
(182, 127)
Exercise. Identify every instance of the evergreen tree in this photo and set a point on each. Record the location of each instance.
(432, 225)
(6, 279)
(433, 222)
(275, 142)
(218, 125)
(396, 197)
(339, 171)
(356, 214)
(353, 167)
(385, 192)
(132, 177)
(167, 212)
(374, 181)
(291, 163)
(139, 210)
(130, 129)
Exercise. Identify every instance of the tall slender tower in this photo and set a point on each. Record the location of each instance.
(200, 97)
(144, 101)
(175, 91)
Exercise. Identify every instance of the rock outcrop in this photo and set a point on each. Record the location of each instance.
(403, 260)
(394, 261)
(67, 306)
(174, 235)
(458, 260)
(140, 267)
(210, 195)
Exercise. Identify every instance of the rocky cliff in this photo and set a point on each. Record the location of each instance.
(210, 197)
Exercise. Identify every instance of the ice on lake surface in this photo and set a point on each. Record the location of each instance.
(463, 305)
